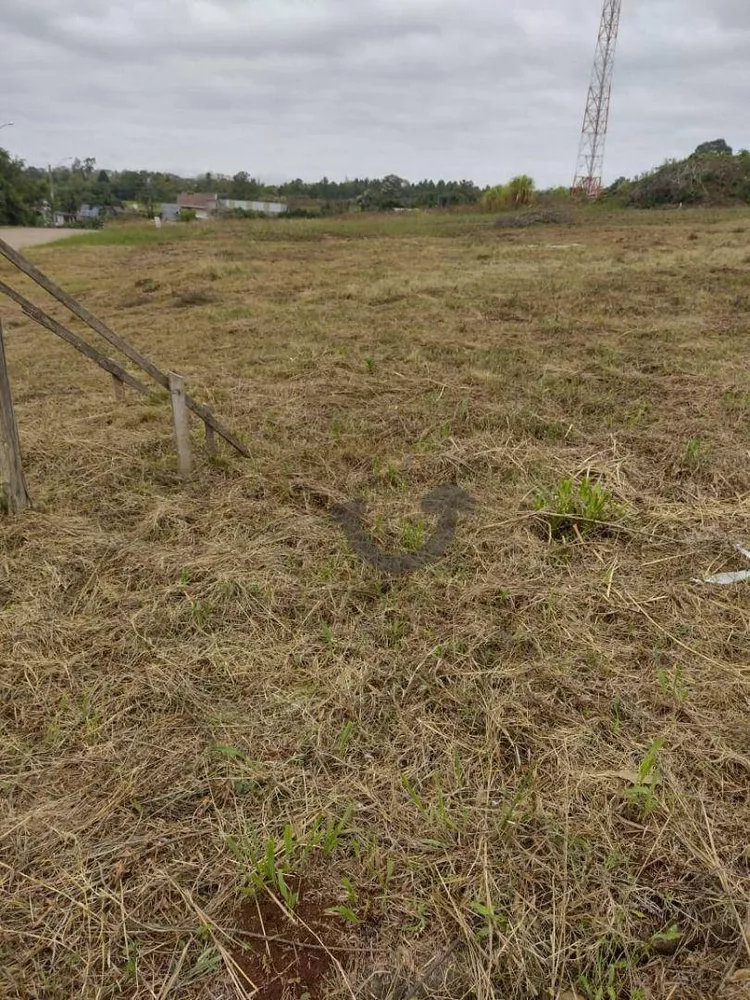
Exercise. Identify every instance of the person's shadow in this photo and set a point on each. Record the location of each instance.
(445, 501)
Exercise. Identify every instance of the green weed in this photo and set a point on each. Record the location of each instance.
(580, 506)
(737, 403)
(207, 963)
(643, 794)
(419, 925)
(347, 911)
(413, 795)
(491, 920)
(667, 941)
(638, 413)
(270, 866)
(606, 979)
(412, 536)
(344, 737)
(672, 684)
(394, 478)
(130, 971)
(696, 453)
(200, 613)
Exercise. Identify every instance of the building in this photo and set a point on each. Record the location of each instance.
(60, 219)
(263, 207)
(170, 211)
(88, 212)
(204, 205)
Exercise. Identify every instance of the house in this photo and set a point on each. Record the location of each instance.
(88, 212)
(170, 211)
(264, 207)
(63, 219)
(204, 205)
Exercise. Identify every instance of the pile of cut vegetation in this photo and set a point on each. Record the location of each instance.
(535, 217)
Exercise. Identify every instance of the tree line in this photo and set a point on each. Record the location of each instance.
(712, 174)
(25, 190)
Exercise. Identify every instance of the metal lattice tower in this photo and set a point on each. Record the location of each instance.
(588, 179)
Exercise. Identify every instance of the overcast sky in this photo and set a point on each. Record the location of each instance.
(481, 89)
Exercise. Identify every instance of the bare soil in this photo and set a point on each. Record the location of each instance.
(288, 955)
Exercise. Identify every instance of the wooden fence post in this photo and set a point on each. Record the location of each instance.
(10, 451)
(181, 428)
(119, 388)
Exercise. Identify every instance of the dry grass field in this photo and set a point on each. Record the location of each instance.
(238, 761)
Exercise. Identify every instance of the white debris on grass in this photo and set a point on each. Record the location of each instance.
(727, 579)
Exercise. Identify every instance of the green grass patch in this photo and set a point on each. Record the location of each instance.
(125, 236)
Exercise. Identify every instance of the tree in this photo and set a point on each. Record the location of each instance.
(521, 190)
(20, 192)
(518, 192)
(496, 198)
(717, 147)
(244, 187)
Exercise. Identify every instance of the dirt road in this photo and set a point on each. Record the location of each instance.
(20, 237)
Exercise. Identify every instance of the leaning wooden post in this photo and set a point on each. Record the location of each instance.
(10, 450)
(181, 428)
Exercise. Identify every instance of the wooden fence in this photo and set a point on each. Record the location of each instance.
(17, 497)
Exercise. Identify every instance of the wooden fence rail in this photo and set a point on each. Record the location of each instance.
(39, 316)
(123, 346)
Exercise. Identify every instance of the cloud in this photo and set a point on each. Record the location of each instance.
(458, 88)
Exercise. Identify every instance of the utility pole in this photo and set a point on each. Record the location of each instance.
(589, 170)
(50, 173)
(51, 194)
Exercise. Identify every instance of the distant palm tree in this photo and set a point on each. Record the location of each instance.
(519, 191)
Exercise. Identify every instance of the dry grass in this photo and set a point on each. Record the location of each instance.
(190, 670)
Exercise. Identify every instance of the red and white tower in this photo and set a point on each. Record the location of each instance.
(588, 179)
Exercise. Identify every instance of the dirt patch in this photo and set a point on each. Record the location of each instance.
(20, 237)
(289, 956)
